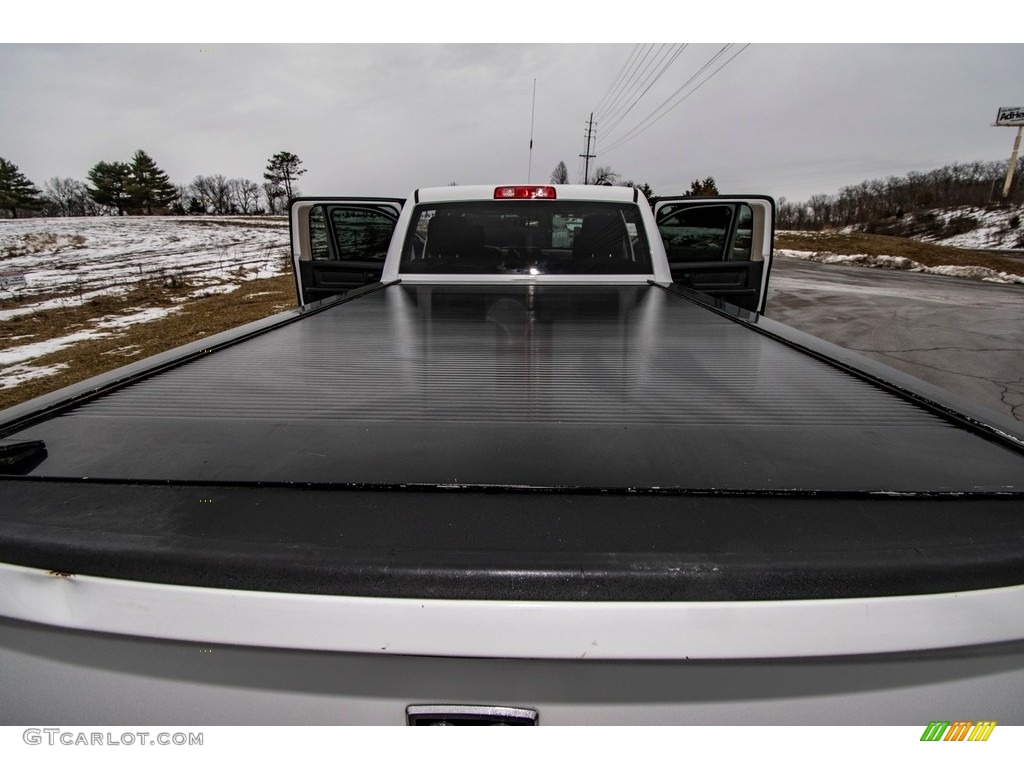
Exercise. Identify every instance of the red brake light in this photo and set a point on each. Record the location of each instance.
(524, 193)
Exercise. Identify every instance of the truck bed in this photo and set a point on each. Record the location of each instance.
(522, 442)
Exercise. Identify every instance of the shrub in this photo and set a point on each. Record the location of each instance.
(959, 225)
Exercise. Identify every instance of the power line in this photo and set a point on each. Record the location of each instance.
(625, 66)
(671, 57)
(637, 71)
(654, 117)
(683, 87)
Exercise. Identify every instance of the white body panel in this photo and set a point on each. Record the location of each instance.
(73, 654)
(514, 629)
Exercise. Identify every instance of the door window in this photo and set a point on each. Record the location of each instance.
(715, 232)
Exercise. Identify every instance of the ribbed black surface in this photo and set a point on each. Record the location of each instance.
(619, 356)
(544, 386)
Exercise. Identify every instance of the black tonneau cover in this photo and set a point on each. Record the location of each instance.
(544, 386)
(506, 441)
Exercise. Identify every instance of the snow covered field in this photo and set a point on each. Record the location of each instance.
(995, 228)
(60, 263)
(79, 258)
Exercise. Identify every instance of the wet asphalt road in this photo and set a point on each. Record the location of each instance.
(963, 335)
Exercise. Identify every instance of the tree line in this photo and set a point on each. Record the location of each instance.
(605, 175)
(140, 187)
(975, 184)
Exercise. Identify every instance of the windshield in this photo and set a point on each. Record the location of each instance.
(526, 237)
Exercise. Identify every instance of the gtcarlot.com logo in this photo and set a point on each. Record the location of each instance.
(59, 737)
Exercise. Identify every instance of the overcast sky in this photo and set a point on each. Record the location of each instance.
(789, 120)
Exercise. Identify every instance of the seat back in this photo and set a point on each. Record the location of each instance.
(600, 236)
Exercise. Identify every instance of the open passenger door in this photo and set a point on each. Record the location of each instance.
(340, 243)
(720, 245)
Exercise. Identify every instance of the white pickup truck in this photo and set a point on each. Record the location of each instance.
(522, 455)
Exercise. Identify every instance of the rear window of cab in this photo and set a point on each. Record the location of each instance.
(526, 237)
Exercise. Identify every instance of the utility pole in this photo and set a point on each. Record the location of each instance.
(587, 155)
(1013, 164)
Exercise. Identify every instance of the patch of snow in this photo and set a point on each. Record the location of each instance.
(19, 374)
(129, 351)
(12, 358)
(142, 316)
(58, 302)
(24, 352)
(213, 290)
(992, 233)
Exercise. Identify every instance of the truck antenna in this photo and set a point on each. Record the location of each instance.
(533, 109)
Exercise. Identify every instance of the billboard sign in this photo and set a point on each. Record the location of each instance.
(1010, 116)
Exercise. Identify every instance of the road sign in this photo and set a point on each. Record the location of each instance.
(1010, 116)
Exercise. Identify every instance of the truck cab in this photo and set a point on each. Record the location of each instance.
(719, 246)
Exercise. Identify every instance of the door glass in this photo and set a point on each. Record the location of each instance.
(695, 233)
(318, 234)
(361, 234)
(742, 243)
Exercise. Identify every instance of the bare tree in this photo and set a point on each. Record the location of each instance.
(561, 174)
(68, 197)
(245, 195)
(605, 176)
(182, 198)
(881, 205)
(213, 192)
(274, 196)
(821, 210)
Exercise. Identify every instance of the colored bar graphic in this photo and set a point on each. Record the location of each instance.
(935, 730)
(958, 730)
(982, 730)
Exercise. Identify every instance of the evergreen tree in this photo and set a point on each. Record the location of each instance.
(705, 188)
(149, 186)
(561, 174)
(16, 191)
(282, 171)
(111, 185)
(644, 188)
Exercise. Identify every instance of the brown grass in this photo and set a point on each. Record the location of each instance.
(196, 319)
(930, 255)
